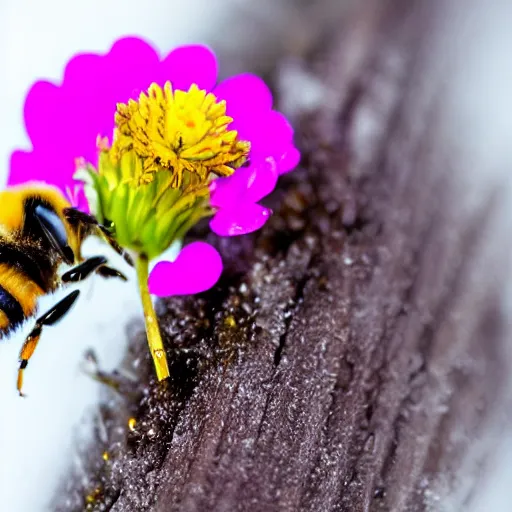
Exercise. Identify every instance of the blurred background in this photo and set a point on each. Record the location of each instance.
(38, 435)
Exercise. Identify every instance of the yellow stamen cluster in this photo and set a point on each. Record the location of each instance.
(179, 131)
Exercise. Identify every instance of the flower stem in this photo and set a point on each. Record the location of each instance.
(156, 346)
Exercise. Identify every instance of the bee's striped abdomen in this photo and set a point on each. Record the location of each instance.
(19, 292)
(33, 242)
(34, 265)
(11, 312)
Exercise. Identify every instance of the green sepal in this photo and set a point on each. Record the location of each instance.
(144, 217)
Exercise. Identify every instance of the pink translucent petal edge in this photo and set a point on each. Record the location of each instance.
(289, 160)
(196, 269)
(39, 109)
(190, 64)
(247, 185)
(244, 91)
(21, 169)
(131, 44)
(239, 221)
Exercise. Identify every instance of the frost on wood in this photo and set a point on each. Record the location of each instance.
(355, 355)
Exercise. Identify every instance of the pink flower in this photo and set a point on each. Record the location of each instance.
(63, 122)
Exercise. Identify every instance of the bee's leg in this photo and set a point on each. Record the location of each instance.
(108, 272)
(76, 217)
(104, 233)
(49, 318)
(90, 265)
(84, 269)
(74, 275)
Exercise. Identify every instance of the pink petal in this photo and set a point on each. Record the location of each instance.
(196, 269)
(128, 69)
(42, 109)
(246, 185)
(226, 192)
(239, 221)
(24, 167)
(262, 180)
(272, 136)
(247, 97)
(187, 65)
(34, 166)
(85, 94)
(249, 102)
(82, 69)
(132, 50)
(289, 160)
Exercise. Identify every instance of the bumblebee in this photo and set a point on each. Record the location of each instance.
(40, 232)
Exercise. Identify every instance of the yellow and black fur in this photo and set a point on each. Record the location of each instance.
(40, 231)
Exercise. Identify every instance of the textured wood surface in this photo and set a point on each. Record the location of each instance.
(356, 355)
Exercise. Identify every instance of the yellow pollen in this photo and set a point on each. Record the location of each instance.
(132, 422)
(230, 321)
(94, 495)
(178, 131)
